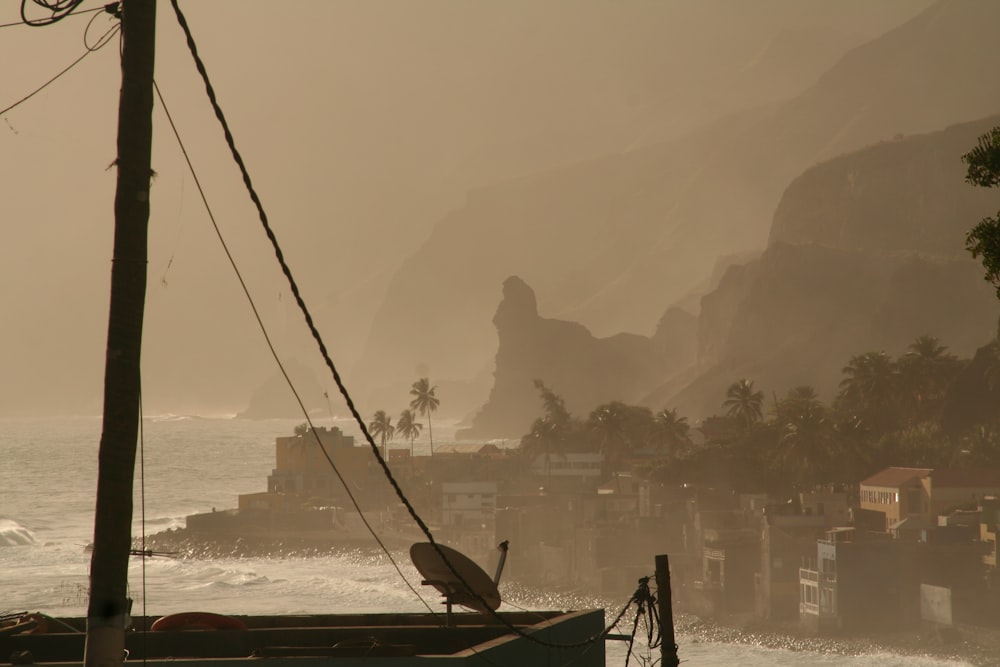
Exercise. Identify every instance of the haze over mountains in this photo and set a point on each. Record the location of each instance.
(613, 156)
(611, 243)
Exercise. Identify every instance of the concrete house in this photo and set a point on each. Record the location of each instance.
(788, 535)
(898, 493)
(919, 495)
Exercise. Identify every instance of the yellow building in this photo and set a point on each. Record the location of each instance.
(898, 493)
(922, 494)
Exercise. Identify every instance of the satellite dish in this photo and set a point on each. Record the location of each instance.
(436, 573)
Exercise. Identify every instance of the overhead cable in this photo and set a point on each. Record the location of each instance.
(274, 353)
(317, 337)
(58, 10)
(100, 43)
(113, 8)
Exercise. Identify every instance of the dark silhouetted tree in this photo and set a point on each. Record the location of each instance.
(869, 390)
(620, 429)
(743, 403)
(550, 434)
(381, 427)
(408, 427)
(983, 240)
(424, 402)
(804, 433)
(926, 371)
(671, 430)
(979, 449)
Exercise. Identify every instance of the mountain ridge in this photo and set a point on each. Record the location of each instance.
(618, 252)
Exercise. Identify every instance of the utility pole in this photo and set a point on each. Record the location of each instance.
(668, 646)
(108, 610)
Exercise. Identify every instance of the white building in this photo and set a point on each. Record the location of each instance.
(583, 466)
(468, 505)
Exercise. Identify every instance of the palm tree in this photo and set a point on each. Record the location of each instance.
(981, 447)
(381, 427)
(926, 371)
(991, 355)
(869, 389)
(424, 402)
(928, 347)
(743, 403)
(408, 428)
(609, 422)
(551, 433)
(553, 428)
(672, 429)
(804, 437)
(555, 406)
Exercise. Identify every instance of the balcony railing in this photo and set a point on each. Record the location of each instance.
(826, 576)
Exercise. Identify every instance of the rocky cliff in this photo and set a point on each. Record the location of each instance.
(585, 370)
(612, 242)
(866, 253)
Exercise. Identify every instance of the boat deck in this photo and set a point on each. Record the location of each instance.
(346, 640)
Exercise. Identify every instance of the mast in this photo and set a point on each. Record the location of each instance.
(108, 609)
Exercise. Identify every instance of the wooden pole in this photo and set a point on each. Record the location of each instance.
(668, 648)
(109, 606)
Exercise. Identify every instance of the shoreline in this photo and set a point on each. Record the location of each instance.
(969, 646)
(973, 646)
(956, 644)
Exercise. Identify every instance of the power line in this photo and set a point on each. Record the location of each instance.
(317, 337)
(101, 42)
(270, 346)
(46, 84)
(108, 34)
(110, 8)
(59, 9)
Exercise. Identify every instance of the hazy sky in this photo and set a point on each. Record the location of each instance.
(363, 123)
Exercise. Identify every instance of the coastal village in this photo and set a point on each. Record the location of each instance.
(702, 196)
(904, 548)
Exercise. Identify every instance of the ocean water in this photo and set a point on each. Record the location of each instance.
(48, 477)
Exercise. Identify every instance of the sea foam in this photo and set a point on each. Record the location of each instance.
(13, 534)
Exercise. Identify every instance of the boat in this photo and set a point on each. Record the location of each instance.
(321, 639)
(110, 635)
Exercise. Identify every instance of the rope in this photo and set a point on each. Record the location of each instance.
(642, 598)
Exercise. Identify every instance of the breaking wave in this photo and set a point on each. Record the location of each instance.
(13, 534)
